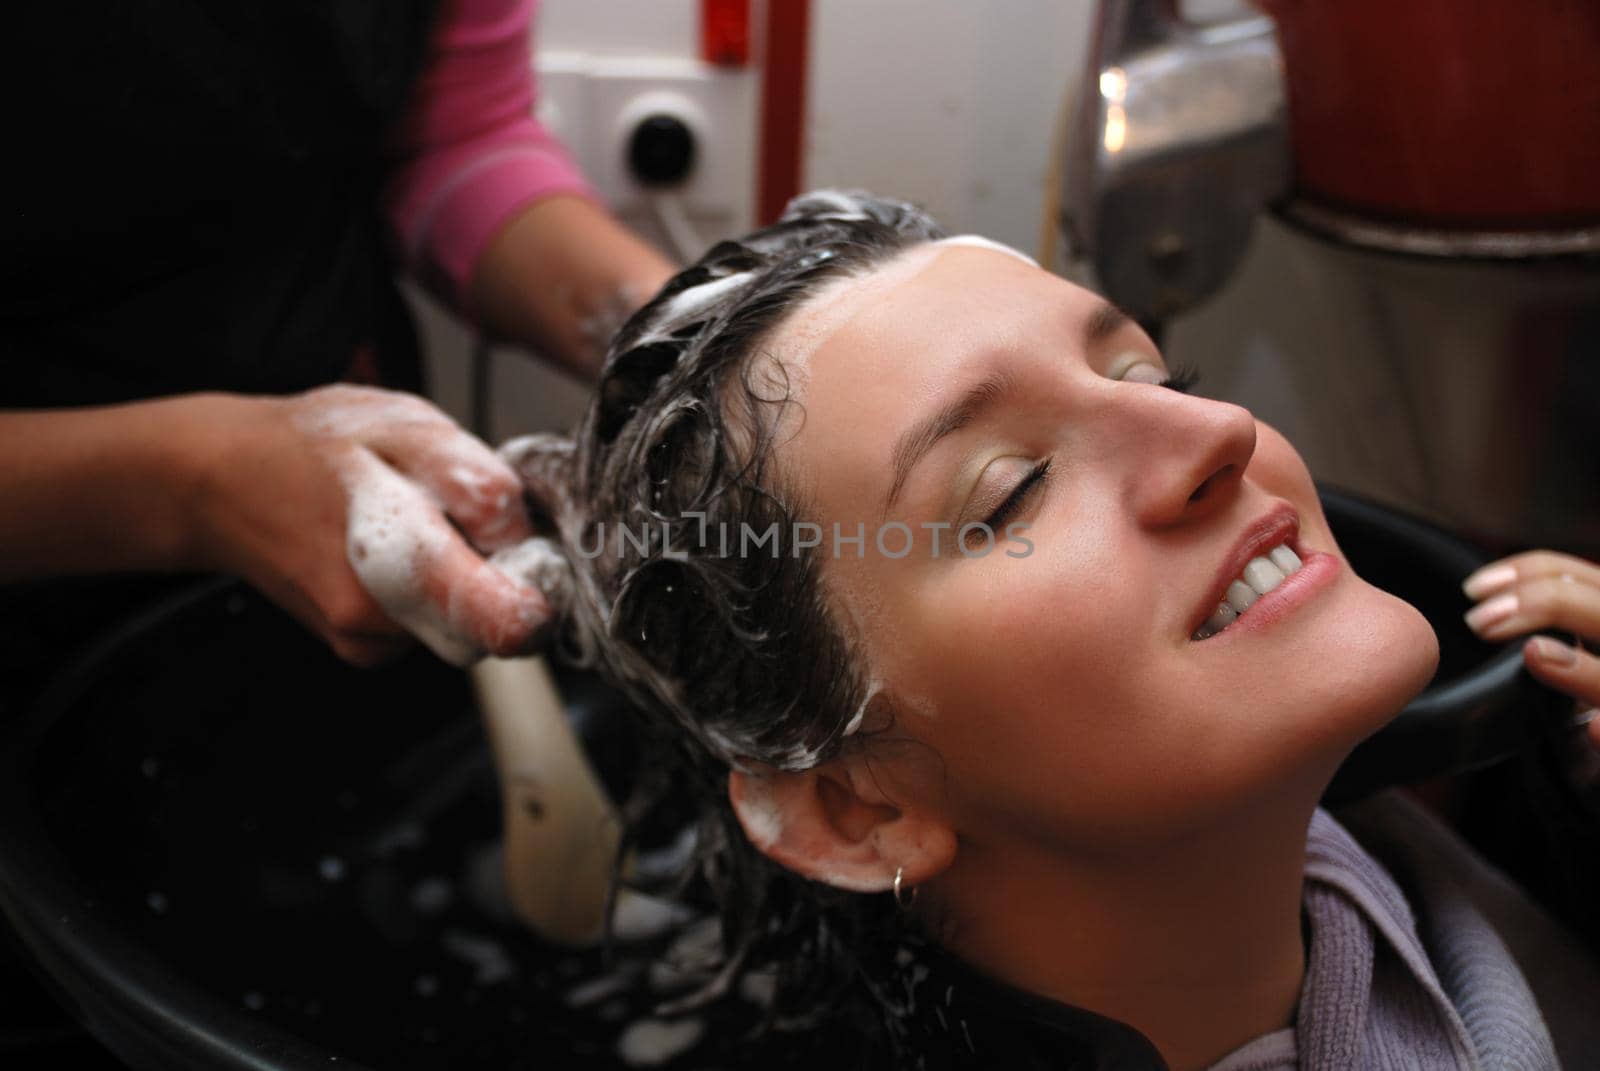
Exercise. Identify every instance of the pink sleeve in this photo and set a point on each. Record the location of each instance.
(471, 153)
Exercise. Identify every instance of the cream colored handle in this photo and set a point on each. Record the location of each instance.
(561, 830)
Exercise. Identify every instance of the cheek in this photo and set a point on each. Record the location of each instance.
(1032, 674)
(1053, 622)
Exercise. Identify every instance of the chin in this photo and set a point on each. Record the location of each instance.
(1410, 663)
(1355, 666)
(1386, 653)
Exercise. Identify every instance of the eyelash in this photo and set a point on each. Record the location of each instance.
(1182, 379)
(1019, 494)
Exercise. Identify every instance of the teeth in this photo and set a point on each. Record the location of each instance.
(1284, 559)
(1221, 619)
(1260, 576)
(1240, 595)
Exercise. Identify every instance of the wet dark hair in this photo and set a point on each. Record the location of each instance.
(730, 657)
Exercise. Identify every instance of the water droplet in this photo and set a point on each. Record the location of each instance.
(427, 985)
(254, 1001)
(156, 902)
(331, 868)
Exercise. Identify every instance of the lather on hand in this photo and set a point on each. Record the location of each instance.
(369, 514)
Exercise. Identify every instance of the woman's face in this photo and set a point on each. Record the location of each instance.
(1062, 686)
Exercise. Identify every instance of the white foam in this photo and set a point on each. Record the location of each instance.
(843, 205)
(488, 489)
(602, 323)
(649, 1042)
(854, 724)
(537, 563)
(798, 757)
(450, 457)
(978, 241)
(349, 412)
(491, 963)
(598, 989)
(758, 812)
(639, 916)
(392, 534)
(695, 299)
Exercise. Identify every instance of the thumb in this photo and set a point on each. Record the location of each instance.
(489, 609)
(1564, 667)
(425, 576)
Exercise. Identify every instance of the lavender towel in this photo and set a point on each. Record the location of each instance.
(1425, 981)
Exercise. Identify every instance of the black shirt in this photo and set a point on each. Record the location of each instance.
(193, 190)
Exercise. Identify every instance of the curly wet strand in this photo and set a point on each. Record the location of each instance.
(729, 658)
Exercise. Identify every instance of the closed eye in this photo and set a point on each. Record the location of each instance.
(1034, 479)
(1182, 379)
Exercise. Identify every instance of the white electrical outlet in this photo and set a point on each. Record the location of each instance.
(598, 101)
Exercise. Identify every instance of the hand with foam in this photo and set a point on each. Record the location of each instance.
(1542, 589)
(368, 514)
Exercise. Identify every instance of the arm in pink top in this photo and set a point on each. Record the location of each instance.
(471, 154)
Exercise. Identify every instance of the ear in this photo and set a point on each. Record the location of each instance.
(833, 824)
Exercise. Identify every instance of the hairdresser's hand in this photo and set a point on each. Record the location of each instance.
(366, 514)
(1542, 589)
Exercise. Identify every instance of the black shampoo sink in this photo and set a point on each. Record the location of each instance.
(228, 850)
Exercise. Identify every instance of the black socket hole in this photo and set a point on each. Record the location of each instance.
(661, 151)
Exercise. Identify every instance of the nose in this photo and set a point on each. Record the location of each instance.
(1194, 456)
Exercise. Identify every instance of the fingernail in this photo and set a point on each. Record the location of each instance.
(1553, 652)
(1486, 615)
(1489, 578)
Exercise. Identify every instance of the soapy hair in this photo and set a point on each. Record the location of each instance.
(729, 657)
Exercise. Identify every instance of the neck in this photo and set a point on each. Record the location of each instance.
(1196, 942)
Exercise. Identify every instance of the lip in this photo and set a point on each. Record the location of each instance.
(1281, 524)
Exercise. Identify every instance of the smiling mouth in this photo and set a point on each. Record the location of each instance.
(1261, 574)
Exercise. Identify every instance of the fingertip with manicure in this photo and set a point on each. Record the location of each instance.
(1496, 576)
(1488, 619)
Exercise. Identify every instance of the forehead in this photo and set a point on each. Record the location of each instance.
(842, 303)
(867, 355)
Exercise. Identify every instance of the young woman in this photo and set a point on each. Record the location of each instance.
(1011, 674)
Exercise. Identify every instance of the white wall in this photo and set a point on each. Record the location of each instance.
(620, 27)
(948, 103)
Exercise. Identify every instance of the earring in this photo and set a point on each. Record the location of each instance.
(904, 896)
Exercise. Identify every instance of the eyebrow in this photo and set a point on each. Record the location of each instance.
(914, 443)
(1105, 321)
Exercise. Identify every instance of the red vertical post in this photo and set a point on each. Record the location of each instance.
(783, 103)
